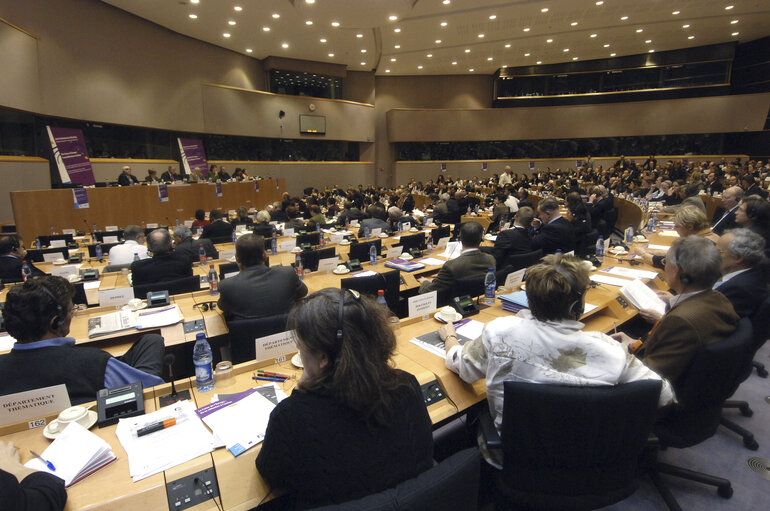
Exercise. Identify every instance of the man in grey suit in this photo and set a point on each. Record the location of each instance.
(258, 291)
(184, 244)
(471, 262)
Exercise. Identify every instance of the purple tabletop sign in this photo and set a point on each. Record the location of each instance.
(80, 195)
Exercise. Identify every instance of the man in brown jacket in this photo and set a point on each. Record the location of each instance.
(696, 316)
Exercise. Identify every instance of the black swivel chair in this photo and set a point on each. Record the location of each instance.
(102, 234)
(174, 287)
(36, 255)
(243, 332)
(360, 250)
(105, 249)
(310, 258)
(413, 241)
(221, 239)
(452, 485)
(711, 378)
(760, 323)
(313, 239)
(568, 447)
(519, 261)
(440, 232)
(587, 245)
(226, 268)
(606, 224)
(389, 281)
(46, 240)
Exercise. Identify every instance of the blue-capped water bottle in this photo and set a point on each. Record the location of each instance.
(234, 237)
(98, 252)
(202, 360)
(600, 248)
(628, 235)
(274, 243)
(373, 254)
(490, 284)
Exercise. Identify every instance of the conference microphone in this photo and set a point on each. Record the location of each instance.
(168, 360)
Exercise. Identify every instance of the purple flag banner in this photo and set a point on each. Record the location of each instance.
(71, 155)
(80, 195)
(443, 167)
(531, 165)
(579, 163)
(483, 166)
(163, 192)
(256, 185)
(193, 156)
(218, 188)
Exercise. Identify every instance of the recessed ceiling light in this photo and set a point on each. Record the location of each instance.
(392, 17)
(226, 34)
(393, 59)
(503, 66)
(593, 35)
(308, 22)
(429, 55)
(438, 41)
(419, 67)
(397, 30)
(613, 54)
(193, 16)
(359, 36)
(526, 29)
(607, 45)
(266, 29)
(549, 40)
(691, 37)
(363, 63)
(397, 46)
(539, 62)
(623, 18)
(194, 1)
(454, 62)
(231, 22)
(284, 45)
(444, 23)
(733, 22)
(323, 40)
(481, 36)
(639, 30)
(335, 23)
(526, 54)
(600, 2)
(728, 7)
(238, 8)
(310, 1)
(471, 70)
(735, 34)
(544, 9)
(508, 45)
(387, 70)
(446, 2)
(566, 50)
(331, 55)
(276, 15)
(675, 13)
(467, 50)
(651, 51)
(249, 50)
(493, 16)
(489, 58)
(574, 58)
(363, 50)
(686, 26)
(574, 24)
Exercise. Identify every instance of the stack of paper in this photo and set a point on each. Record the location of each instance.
(514, 302)
(630, 272)
(153, 453)
(403, 265)
(467, 330)
(642, 297)
(126, 319)
(75, 454)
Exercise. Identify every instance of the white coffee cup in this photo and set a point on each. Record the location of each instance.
(341, 267)
(447, 313)
(135, 303)
(72, 414)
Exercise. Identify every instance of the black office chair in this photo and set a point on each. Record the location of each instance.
(711, 378)
(36, 255)
(221, 239)
(226, 268)
(587, 245)
(243, 332)
(310, 258)
(452, 485)
(606, 224)
(79, 298)
(413, 241)
(102, 234)
(389, 281)
(105, 249)
(569, 447)
(313, 239)
(8, 228)
(174, 287)
(440, 232)
(519, 261)
(46, 240)
(360, 250)
(760, 323)
(473, 286)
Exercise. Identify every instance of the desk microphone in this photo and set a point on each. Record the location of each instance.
(169, 360)
(175, 396)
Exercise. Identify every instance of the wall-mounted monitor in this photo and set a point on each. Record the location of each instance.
(312, 124)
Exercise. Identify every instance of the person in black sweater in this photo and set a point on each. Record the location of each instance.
(24, 489)
(353, 426)
(12, 254)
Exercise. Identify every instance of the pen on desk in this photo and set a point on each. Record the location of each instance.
(265, 378)
(47, 463)
(155, 426)
(615, 326)
(260, 372)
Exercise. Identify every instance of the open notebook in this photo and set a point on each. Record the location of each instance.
(76, 454)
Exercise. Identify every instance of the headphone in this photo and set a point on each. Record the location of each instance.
(57, 322)
(577, 306)
(205, 306)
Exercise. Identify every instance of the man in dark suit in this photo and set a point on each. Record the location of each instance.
(164, 265)
(171, 175)
(126, 178)
(600, 203)
(453, 210)
(218, 228)
(12, 254)
(258, 291)
(185, 245)
(744, 277)
(724, 217)
(555, 232)
(697, 316)
(470, 262)
(751, 187)
(515, 240)
(713, 185)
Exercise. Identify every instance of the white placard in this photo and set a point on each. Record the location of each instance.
(442, 243)
(68, 231)
(394, 252)
(227, 254)
(288, 232)
(240, 228)
(376, 232)
(287, 246)
(117, 296)
(275, 345)
(64, 271)
(188, 223)
(422, 305)
(506, 225)
(570, 253)
(111, 228)
(231, 274)
(155, 226)
(406, 226)
(328, 264)
(354, 223)
(607, 246)
(52, 256)
(337, 238)
(514, 279)
(110, 239)
(33, 403)
(58, 244)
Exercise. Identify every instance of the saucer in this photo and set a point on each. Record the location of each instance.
(297, 361)
(296, 250)
(382, 235)
(133, 309)
(59, 262)
(413, 229)
(92, 417)
(344, 242)
(406, 257)
(338, 272)
(440, 317)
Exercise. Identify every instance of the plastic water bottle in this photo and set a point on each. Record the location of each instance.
(650, 225)
(213, 281)
(321, 240)
(202, 360)
(26, 271)
(202, 254)
(36, 244)
(298, 267)
(490, 283)
(136, 256)
(381, 297)
(600, 248)
(366, 232)
(52, 231)
(177, 222)
(144, 225)
(430, 243)
(629, 234)
(92, 232)
(654, 219)
(274, 243)
(234, 237)
(98, 252)
(373, 254)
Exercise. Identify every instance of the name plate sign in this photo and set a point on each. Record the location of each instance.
(394, 252)
(33, 403)
(117, 296)
(337, 238)
(273, 346)
(64, 271)
(514, 279)
(328, 264)
(422, 305)
(287, 246)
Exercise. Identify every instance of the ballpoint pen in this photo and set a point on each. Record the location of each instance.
(271, 374)
(265, 378)
(47, 463)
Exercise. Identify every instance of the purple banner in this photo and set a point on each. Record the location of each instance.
(218, 188)
(80, 195)
(193, 156)
(256, 185)
(579, 163)
(483, 166)
(163, 192)
(531, 165)
(443, 167)
(71, 156)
